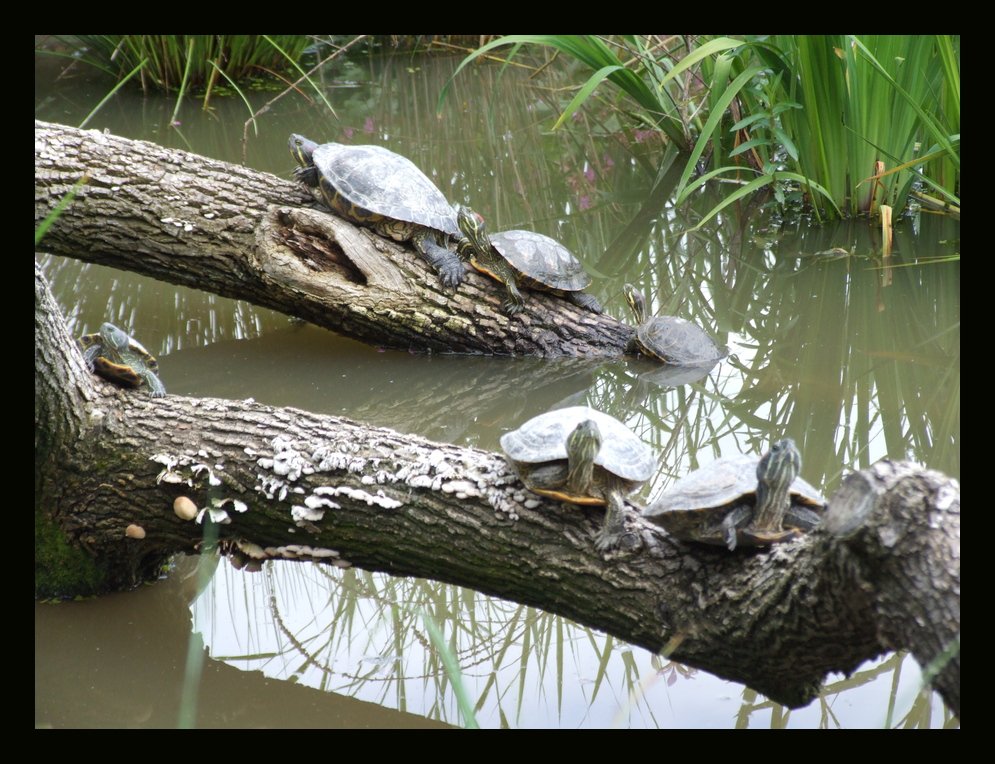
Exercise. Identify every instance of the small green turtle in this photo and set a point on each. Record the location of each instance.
(527, 259)
(121, 359)
(669, 339)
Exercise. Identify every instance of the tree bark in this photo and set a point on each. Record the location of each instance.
(244, 234)
(882, 575)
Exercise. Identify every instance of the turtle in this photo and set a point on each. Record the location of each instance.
(668, 339)
(741, 501)
(582, 456)
(524, 258)
(374, 187)
(121, 359)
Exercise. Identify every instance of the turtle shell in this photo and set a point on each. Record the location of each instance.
(676, 341)
(667, 338)
(378, 181)
(540, 261)
(583, 456)
(121, 359)
(374, 187)
(543, 439)
(695, 506)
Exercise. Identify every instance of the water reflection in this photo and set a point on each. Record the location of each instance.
(349, 648)
(458, 399)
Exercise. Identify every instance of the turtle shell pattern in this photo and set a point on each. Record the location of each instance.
(676, 341)
(541, 262)
(374, 180)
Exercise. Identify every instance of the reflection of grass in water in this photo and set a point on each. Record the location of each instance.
(919, 714)
(500, 157)
(365, 635)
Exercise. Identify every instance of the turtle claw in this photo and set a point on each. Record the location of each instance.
(605, 541)
(452, 275)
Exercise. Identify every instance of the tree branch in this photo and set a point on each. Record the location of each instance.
(244, 234)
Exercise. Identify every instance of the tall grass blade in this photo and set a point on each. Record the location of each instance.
(107, 97)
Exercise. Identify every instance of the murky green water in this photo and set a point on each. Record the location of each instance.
(854, 360)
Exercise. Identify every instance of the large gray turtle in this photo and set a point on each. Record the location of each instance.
(583, 456)
(741, 501)
(374, 187)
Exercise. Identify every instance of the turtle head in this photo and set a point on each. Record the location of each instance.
(583, 446)
(474, 231)
(776, 472)
(114, 337)
(585, 440)
(302, 149)
(636, 302)
(472, 226)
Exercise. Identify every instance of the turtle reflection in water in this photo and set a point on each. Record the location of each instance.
(582, 456)
(121, 359)
(741, 501)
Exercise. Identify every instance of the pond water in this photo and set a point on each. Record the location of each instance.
(854, 358)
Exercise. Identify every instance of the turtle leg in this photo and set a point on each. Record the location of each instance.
(731, 524)
(91, 354)
(495, 266)
(801, 518)
(586, 301)
(156, 388)
(548, 477)
(613, 528)
(611, 531)
(513, 303)
(307, 175)
(447, 263)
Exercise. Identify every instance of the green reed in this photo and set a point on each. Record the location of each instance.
(848, 121)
